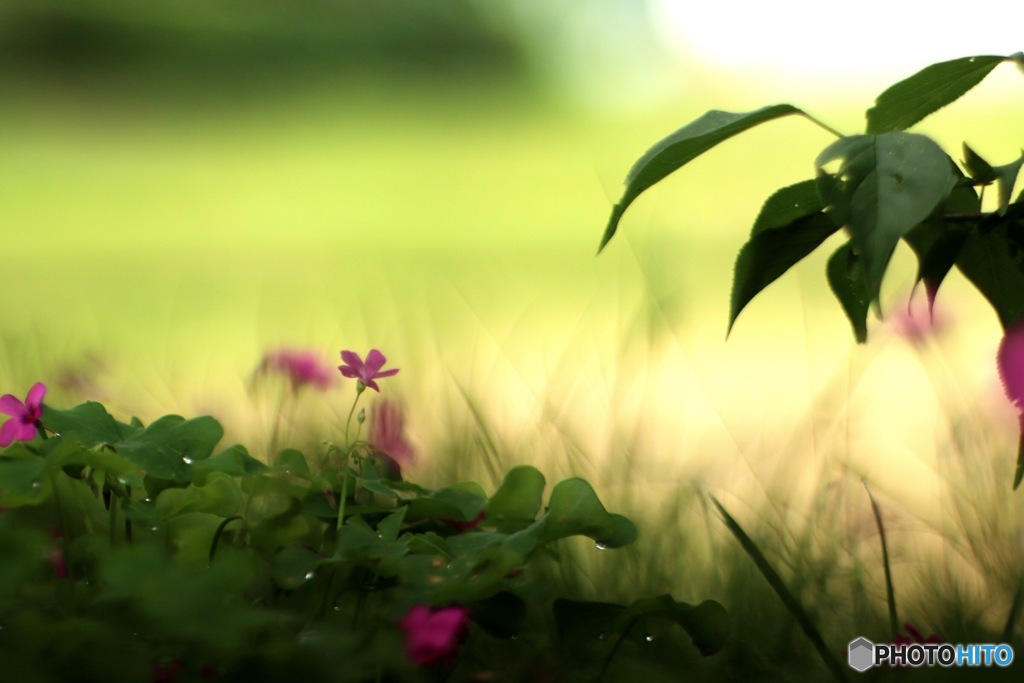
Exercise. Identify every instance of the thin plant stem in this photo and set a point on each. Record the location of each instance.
(890, 594)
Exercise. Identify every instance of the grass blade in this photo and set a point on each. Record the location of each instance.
(788, 599)
(890, 594)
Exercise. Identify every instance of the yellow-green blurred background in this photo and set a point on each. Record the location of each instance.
(186, 185)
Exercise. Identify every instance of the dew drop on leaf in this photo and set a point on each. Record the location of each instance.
(600, 546)
(310, 575)
(35, 484)
(187, 460)
(649, 638)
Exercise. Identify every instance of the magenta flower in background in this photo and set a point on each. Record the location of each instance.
(366, 373)
(918, 321)
(387, 433)
(1010, 360)
(302, 367)
(433, 636)
(24, 416)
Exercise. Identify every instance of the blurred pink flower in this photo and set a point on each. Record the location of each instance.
(387, 433)
(1010, 360)
(915, 636)
(433, 635)
(919, 320)
(24, 416)
(302, 367)
(56, 556)
(366, 373)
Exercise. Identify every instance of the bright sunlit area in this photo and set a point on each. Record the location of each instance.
(202, 205)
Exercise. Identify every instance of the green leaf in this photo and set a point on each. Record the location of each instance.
(1006, 178)
(979, 169)
(220, 495)
(516, 503)
(790, 226)
(194, 439)
(848, 280)
(884, 186)
(706, 623)
(391, 526)
(234, 461)
(23, 482)
(993, 261)
(294, 462)
(682, 147)
(907, 102)
(157, 460)
(937, 242)
(89, 422)
(574, 509)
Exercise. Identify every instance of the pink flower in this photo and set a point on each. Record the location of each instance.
(387, 433)
(366, 373)
(302, 367)
(918, 321)
(433, 635)
(24, 416)
(56, 557)
(1010, 359)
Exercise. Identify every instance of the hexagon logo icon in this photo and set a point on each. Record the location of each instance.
(861, 654)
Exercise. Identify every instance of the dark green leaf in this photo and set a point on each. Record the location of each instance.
(574, 509)
(849, 283)
(194, 439)
(518, 499)
(220, 496)
(907, 102)
(294, 566)
(1006, 178)
(293, 462)
(157, 460)
(89, 423)
(937, 242)
(23, 482)
(789, 227)
(979, 169)
(993, 261)
(391, 526)
(884, 186)
(706, 623)
(682, 147)
(234, 461)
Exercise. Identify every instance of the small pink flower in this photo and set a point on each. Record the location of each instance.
(387, 433)
(302, 367)
(366, 373)
(433, 636)
(24, 416)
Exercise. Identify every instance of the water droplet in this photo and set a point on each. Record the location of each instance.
(310, 575)
(600, 546)
(600, 636)
(147, 500)
(36, 485)
(187, 460)
(154, 528)
(649, 638)
(337, 608)
(122, 481)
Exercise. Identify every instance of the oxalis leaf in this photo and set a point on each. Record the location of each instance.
(848, 281)
(907, 102)
(574, 509)
(685, 145)
(884, 186)
(790, 226)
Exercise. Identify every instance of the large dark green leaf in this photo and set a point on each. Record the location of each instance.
(574, 509)
(707, 623)
(194, 439)
(937, 241)
(89, 423)
(993, 260)
(884, 186)
(790, 226)
(907, 102)
(848, 281)
(682, 147)
(515, 504)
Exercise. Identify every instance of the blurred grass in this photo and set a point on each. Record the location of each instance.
(160, 237)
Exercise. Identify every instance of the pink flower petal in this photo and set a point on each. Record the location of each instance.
(26, 431)
(11, 405)
(352, 358)
(348, 372)
(374, 361)
(36, 394)
(373, 385)
(386, 373)
(1010, 360)
(8, 431)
